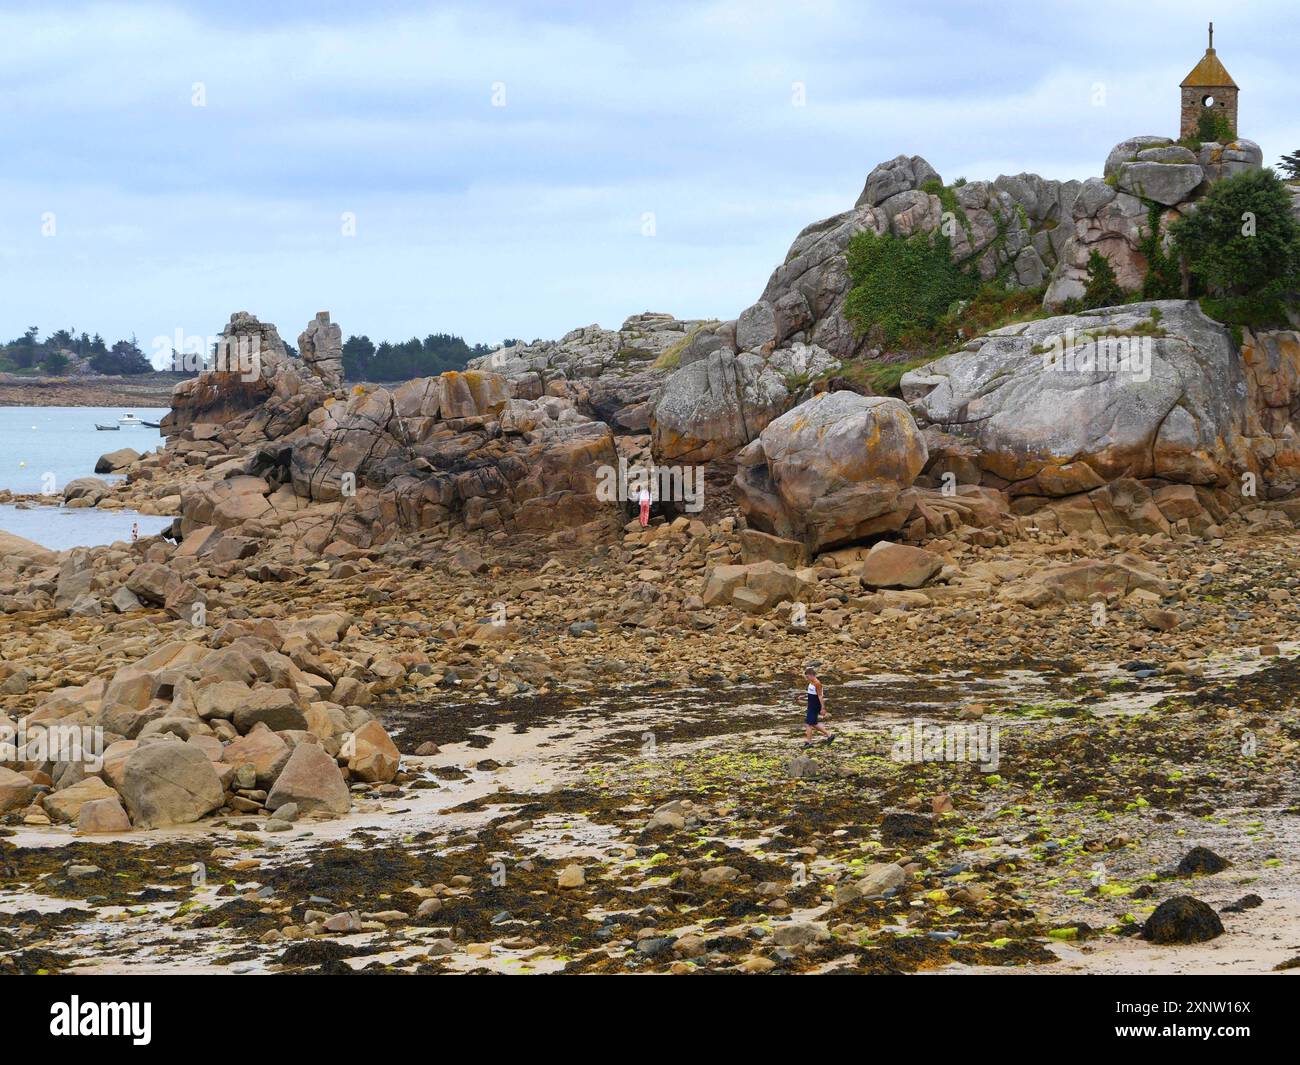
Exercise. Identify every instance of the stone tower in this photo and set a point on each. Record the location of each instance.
(1209, 85)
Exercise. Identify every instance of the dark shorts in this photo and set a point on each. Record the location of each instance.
(814, 710)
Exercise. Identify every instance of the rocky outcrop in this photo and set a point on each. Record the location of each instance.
(434, 452)
(288, 451)
(1143, 177)
(255, 390)
(320, 346)
(715, 405)
(1063, 404)
(832, 470)
(609, 374)
(1009, 227)
(588, 352)
(1145, 419)
(736, 376)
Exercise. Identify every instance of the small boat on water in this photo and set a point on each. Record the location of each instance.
(129, 419)
(152, 425)
(107, 428)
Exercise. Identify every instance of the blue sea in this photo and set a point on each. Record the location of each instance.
(40, 445)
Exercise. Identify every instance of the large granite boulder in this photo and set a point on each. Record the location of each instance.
(168, 782)
(1127, 150)
(1164, 181)
(86, 490)
(756, 587)
(312, 781)
(112, 461)
(900, 174)
(832, 470)
(1147, 390)
(16, 790)
(711, 408)
(1219, 161)
(16, 549)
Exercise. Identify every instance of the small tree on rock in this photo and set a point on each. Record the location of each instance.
(1102, 288)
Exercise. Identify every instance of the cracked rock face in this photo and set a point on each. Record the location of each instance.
(589, 351)
(1034, 404)
(442, 451)
(461, 449)
(610, 374)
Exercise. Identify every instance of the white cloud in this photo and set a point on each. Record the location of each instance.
(525, 220)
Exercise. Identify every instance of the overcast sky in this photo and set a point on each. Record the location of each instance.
(519, 169)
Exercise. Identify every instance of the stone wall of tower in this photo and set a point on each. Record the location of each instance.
(1225, 101)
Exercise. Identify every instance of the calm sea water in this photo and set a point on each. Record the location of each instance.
(62, 442)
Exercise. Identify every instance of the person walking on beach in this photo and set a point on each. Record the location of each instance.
(644, 499)
(816, 709)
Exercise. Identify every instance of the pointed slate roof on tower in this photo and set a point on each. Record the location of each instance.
(1209, 73)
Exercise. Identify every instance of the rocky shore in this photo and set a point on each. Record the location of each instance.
(20, 390)
(405, 685)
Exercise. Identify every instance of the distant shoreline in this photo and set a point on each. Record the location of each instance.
(148, 390)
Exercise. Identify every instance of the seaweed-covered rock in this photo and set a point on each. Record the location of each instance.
(1182, 919)
(905, 825)
(1201, 860)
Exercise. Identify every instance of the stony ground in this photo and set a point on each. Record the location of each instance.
(617, 738)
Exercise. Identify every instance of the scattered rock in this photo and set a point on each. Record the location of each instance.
(1201, 860)
(1182, 919)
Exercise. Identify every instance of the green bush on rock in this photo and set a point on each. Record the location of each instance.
(903, 284)
(1242, 249)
